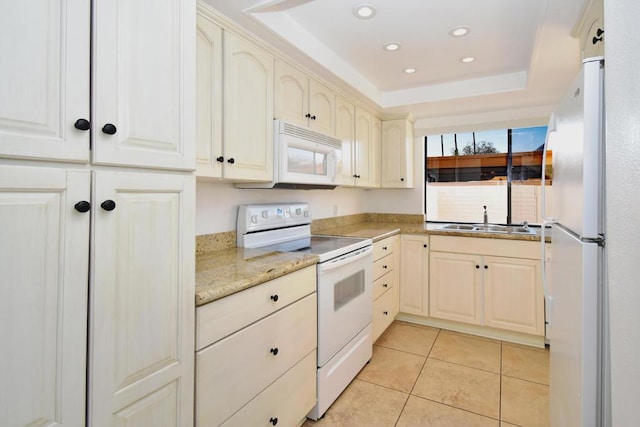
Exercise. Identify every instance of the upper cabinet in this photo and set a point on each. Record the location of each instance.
(367, 150)
(143, 100)
(397, 154)
(248, 110)
(345, 130)
(303, 101)
(209, 158)
(44, 87)
(590, 29)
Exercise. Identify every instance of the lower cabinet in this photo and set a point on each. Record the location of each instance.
(495, 283)
(263, 371)
(414, 274)
(385, 285)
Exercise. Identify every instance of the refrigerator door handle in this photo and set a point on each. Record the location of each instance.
(548, 298)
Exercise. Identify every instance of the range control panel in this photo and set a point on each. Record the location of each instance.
(253, 218)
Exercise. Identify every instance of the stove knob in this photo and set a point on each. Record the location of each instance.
(306, 213)
(254, 219)
(298, 211)
(265, 214)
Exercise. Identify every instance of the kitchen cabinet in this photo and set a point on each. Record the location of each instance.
(590, 29)
(256, 354)
(248, 110)
(497, 285)
(44, 247)
(360, 162)
(385, 283)
(301, 100)
(345, 131)
(141, 322)
(414, 274)
(209, 152)
(397, 154)
(141, 105)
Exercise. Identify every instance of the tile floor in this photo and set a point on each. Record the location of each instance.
(422, 376)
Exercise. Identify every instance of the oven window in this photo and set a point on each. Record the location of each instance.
(306, 162)
(346, 290)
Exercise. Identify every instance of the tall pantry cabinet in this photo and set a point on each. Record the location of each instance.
(97, 202)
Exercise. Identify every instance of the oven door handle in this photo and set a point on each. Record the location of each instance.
(346, 259)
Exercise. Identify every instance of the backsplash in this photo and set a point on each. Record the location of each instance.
(215, 242)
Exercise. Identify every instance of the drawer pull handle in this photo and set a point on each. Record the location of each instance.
(274, 351)
(384, 285)
(385, 312)
(273, 421)
(274, 298)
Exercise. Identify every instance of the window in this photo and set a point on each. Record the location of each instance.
(499, 169)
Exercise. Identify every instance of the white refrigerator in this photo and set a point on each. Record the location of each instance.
(575, 269)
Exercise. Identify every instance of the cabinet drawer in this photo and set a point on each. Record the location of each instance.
(383, 284)
(384, 247)
(285, 402)
(383, 266)
(234, 370)
(220, 318)
(384, 311)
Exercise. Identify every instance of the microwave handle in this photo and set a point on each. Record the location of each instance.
(332, 165)
(349, 258)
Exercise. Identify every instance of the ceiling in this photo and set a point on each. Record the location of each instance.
(525, 54)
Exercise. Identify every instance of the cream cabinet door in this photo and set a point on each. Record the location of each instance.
(455, 287)
(141, 367)
(345, 126)
(248, 110)
(397, 154)
(375, 148)
(44, 260)
(363, 148)
(291, 101)
(414, 274)
(513, 295)
(322, 103)
(209, 155)
(143, 83)
(44, 79)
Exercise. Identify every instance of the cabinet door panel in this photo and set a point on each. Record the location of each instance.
(44, 79)
(291, 95)
(208, 98)
(142, 308)
(414, 274)
(345, 124)
(44, 247)
(397, 154)
(321, 105)
(144, 63)
(363, 148)
(455, 287)
(513, 296)
(248, 110)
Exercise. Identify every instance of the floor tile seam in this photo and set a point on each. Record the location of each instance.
(525, 380)
(403, 351)
(500, 384)
(423, 364)
(383, 386)
(465, 366)
(455, 407)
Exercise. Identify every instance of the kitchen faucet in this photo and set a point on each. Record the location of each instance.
(486, 217)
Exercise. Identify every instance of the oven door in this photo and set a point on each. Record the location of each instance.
(345, 300)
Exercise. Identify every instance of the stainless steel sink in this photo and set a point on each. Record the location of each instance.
(490, 228)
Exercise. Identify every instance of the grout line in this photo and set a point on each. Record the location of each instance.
(525, 380)
(465, 366)
(456, 407)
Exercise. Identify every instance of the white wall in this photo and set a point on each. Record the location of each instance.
(217, 203)
(622, 98)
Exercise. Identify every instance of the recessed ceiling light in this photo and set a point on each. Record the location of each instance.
(410, 70)
(459, 31)
(468, 59)
(392, 46)
(364, 11)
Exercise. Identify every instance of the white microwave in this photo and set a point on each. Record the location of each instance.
(303, 159)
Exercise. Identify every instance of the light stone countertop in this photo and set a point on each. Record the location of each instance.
(224, 272)
(379, 230)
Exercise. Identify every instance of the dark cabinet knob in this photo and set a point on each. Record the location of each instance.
(108, 205)
(273, 421)
(82, 206)
(384, 248)
(477, 266)
(274, 298)
(384, 266)
(274, 351)
(385, 312)
(220, 159)
(313, 117)
(384, 285)
(82, 124)
(598, 37)
(402, 179)
(231, 161)
(308, 115)
(109, 129)
(486, 267)
(424, 246)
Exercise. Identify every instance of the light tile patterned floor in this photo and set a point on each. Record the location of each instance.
(421, 376)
